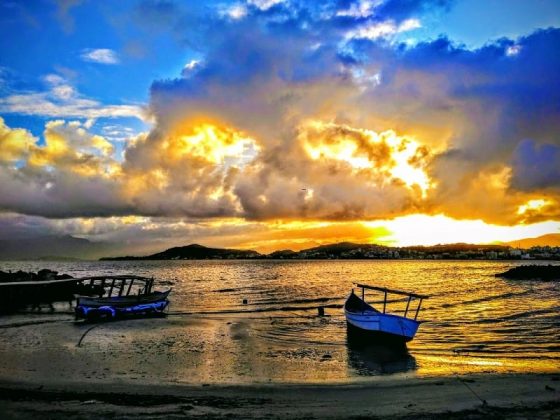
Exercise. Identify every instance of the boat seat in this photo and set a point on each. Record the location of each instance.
(355, 304)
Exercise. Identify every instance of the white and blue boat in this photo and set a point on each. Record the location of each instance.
(378, 325)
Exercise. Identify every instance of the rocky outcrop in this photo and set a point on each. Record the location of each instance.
(44, 274)
(532, 272)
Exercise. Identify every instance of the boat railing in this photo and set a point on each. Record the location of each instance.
(118, 285)
(386, 291)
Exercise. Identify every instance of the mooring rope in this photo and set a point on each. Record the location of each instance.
(483, 401)
(85, 333)
(456, 376)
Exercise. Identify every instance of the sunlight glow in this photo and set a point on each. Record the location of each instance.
(532, 205)
(421, 229)
(344, 150)
(386, 153)
(404, 152)
(217, 145)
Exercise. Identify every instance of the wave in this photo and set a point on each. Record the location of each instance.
(255, 310)
(296, 301)
(486, 299)
(518, 315)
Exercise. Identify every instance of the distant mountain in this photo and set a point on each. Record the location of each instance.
(193, 252)
(50, 247)
(459, 247)
(552, 239)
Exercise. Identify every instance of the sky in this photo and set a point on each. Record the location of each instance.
(279, 124)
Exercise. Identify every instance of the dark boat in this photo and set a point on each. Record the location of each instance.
(370, 324)
(136, 301)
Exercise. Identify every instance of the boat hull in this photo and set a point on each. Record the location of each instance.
(360, 335)
(100, 309)
(377, 326)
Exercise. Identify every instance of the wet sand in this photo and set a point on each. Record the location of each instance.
(519, 396)
(51, 367)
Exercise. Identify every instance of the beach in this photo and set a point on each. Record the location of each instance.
(488, 347)
(52, 367)
(503, 396)
(279, 209)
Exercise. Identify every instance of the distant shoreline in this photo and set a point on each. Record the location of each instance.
(116, 259)
(352, 251)
(74, 249)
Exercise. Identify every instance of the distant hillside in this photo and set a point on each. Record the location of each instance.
(459, 247)
(348, 250)
(193, 252)
(552, 239)
(50, 247)
(284, 253)
(336, 248)
(341, 250)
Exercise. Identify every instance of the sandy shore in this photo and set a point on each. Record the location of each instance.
(51, 367)
(518, 396)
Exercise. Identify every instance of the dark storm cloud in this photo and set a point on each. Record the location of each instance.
(536, 166)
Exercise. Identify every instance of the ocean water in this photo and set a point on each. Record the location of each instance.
(473, 321)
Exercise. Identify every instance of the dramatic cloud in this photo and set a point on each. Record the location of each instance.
(536, 166)
(298, 111)
(72, 169)
(466, 112)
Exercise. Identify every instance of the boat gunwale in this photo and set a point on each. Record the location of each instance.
(395, 291)
(122, 300)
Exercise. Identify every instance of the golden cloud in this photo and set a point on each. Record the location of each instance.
(389, 156)
(14, 143)
(200, 168)
(69, 147)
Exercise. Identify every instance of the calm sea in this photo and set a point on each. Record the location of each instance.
(474, 322)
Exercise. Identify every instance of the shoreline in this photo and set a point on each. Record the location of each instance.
(224, 350)
(476, 358)
(469, 396)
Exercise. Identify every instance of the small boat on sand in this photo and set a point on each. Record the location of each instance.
(136, 301)
(365, 321)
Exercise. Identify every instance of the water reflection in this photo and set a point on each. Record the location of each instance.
(473, 318)
(367, 359)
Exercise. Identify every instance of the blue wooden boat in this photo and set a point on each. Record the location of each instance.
(380, 326)
(119, 299)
